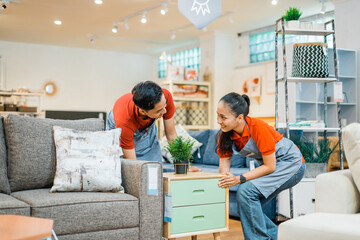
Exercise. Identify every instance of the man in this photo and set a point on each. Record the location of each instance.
(136, 113)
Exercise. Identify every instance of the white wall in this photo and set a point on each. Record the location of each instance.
(87, 80)
(348, 31)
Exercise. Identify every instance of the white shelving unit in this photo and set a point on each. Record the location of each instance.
(203, 100)
(34, 98)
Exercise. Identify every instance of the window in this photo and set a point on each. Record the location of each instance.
(189, 58)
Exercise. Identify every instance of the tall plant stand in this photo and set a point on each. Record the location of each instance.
(281, 30)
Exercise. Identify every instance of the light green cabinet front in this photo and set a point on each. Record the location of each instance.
(197, 218)
(198, 191)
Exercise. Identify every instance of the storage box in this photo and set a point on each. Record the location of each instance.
(27, 109)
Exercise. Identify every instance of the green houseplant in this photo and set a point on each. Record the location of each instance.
(292, 16)
(316, 154)
(180, 151)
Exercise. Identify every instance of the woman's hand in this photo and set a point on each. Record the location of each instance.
(229, 180)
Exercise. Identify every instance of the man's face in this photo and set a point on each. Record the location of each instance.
(159, 109)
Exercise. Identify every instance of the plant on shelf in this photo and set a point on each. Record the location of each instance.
(316, 154)
(292, 16)
(180, 151)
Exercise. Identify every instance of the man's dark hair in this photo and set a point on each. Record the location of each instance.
(146, 95)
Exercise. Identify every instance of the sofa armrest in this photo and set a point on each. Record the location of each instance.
(135, 181)
(336, 192)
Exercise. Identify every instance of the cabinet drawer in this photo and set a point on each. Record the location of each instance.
(193, 192)
(197, 218)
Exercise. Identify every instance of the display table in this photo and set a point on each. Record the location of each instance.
(195, 204)
(25, 228)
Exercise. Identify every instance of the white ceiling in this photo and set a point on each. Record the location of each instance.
(32, 21)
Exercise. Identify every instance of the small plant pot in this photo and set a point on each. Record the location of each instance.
(318, 26)
(181, 168)
(306, 25)
(294, 24)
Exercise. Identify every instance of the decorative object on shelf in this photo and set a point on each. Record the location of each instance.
(310, 60)
(207, 75)
(50, 88)
(180, 116)
(191, 74)
(318, 26)
(175, 73)
(316, 154)
(306, 25)
(292, 16)
(197, 114)
(252, 87)
(180, 151)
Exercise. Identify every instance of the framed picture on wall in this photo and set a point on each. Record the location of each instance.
(174, 73)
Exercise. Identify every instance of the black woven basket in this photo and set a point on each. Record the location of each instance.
(310, 60)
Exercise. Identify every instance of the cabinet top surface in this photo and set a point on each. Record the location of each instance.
(191, 175)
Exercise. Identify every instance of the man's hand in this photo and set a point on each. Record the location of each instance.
(229, 180)
(194, 169)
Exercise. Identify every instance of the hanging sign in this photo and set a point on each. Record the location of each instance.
(338, 93)
(200, 12)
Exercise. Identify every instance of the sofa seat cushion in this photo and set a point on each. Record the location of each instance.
(10, 205)
(79, 212)
(4, 181)
(321, 226)
(31, 149)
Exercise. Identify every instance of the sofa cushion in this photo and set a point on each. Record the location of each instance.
(4, 182)
(126, 233)
(10, 205)
(202, 137)
(87, 161)
(31, 150)
(351, 136)
(79, 212)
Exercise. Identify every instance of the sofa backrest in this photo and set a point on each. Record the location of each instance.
(31, 149)
(208, 154)
(4, 181)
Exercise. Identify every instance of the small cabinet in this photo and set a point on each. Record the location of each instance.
(198, 205)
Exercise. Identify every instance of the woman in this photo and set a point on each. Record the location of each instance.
(280, 163)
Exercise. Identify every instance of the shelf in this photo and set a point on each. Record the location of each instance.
(185, 83)
(18, 113)
(306, 102)
(8, 94)
(343, 76)
(191, 99)
(342, 103)
(196, 127)
(310, 80)
(307, 32)
(309, 129)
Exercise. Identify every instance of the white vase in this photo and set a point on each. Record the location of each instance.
(294, 24)
(306, 25)
(318, 26)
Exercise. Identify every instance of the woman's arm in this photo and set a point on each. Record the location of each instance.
(224, 165)
(230, 180)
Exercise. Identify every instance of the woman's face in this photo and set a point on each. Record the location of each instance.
(226, 118)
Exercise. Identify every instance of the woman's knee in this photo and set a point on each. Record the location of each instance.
(247, 191)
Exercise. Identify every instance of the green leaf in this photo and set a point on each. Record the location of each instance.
(180, 149)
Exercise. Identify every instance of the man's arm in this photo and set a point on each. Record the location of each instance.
(129, 153)
(170, 131)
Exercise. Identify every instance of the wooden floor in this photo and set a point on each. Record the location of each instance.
(235, 233)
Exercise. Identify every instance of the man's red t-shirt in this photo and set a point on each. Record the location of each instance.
(262, 133)
(126, 116)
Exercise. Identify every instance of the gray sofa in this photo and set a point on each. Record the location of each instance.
(27, 168)
(208, 161)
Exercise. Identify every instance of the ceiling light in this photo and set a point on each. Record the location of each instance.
(323, 7)
(3, 6)
(114, 29)
(230, 18)
(165, 9)
(92, 41)
(274, 2)
(143, 18)
(126, 25)
(98, 2)
(173, 35)
(57, 22)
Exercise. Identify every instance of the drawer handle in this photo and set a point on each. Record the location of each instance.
(199, 191)
(199, 218)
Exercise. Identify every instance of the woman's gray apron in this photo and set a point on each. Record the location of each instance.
(288, 162)
(147, 146)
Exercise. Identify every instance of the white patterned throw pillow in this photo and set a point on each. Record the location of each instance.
(183, 133)
(87, 161)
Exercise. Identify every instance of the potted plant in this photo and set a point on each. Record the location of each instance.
(180, 151)
(291, 17)
(316, 154)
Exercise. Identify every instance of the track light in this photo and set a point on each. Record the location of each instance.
(114, 29)
(274, 2)
(165, 9)
(99, 2)
(323, 7)
(3, 6)
(143, 18)
(126, 25)
(58, 22)
(92, 41)
(173, 35)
